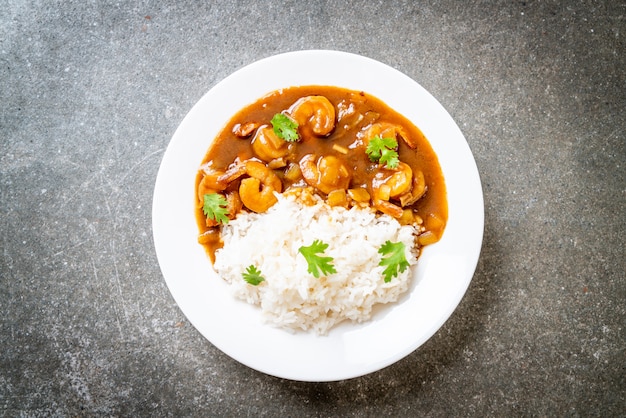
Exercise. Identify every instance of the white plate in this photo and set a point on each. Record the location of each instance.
(441, 276)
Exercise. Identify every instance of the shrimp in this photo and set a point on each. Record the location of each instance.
(388, 208)
(210, 183)
(417, 190)
(386, 130)
(267, 145)
(314, 111)
(256, 191)
(233, 203)
(390, 183)
(233, 207)
(326, 174)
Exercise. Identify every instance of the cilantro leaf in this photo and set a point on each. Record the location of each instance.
(383, 151)
(389, 158)
(285, 127)
(395, 261)
(215, 207)
(317, 264)
(252, 275)
(377, 144)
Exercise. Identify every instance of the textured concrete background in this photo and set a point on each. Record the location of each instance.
(90, 95)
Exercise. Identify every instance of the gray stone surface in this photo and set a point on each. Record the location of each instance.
(90, 95)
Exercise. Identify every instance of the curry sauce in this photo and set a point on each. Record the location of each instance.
(249, 161)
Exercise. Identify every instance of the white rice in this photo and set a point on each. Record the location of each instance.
(291, 297)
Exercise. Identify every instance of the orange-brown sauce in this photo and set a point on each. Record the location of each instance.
(355, 112)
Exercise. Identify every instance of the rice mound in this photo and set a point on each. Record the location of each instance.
(291, 297)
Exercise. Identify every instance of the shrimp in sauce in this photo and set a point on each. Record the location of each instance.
(249, 162)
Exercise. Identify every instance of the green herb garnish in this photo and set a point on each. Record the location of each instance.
(395, 261)
(285, 127)
(317, 264)
(383, 151)
(252, 275)
(215, 207)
